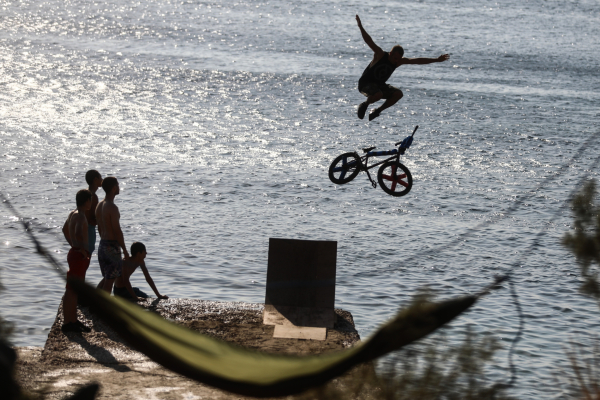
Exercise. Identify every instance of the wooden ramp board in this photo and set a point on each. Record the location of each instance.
(298, 316)
(301, 283)
(299, 332)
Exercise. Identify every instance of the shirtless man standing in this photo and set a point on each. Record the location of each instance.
(94, 181)
(75, 230)
(111, 236)
(372, 84)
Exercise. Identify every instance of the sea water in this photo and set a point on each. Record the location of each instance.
(220, 120)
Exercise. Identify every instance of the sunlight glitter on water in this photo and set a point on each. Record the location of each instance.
(216, 157)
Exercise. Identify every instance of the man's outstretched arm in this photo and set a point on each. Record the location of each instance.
(367, 38)
(422, 61)
(151, 282)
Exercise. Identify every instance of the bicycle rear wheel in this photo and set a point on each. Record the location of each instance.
(344, 168)
(394, 178)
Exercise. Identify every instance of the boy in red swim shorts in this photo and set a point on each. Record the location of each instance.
(76, 233)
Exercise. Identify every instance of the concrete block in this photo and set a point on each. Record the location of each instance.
(299, 332)
(301, 283)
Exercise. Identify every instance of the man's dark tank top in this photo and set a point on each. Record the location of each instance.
(378, 73)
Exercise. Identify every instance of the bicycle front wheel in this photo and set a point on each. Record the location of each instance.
(344, 168)
(394, 178)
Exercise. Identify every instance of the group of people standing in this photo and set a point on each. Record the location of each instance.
(80, 231)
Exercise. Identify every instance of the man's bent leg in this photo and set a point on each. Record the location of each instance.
(108, 285)
(362, 108)
(373, 93)
(374, 97)
(390, 101)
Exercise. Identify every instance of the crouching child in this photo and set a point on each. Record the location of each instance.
(123, 285)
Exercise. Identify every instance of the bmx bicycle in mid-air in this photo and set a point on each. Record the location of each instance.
(393, 176)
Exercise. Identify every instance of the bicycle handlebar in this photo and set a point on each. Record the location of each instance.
(413, 134)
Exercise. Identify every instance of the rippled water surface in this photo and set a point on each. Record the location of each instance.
(220, 120)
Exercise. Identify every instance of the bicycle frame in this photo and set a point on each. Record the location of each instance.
(395, 153)
(364, 160)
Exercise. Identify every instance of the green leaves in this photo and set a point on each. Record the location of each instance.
(584, 240)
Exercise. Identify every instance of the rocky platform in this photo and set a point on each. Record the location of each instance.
(70, 361)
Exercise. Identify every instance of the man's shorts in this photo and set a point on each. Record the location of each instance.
(124, 293)
(78, 265)
(91, 238)
(371, 88)
(109, 258)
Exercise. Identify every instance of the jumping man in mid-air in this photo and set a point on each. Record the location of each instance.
(373, 84)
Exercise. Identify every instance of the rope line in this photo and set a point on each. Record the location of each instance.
(38, 247)
(521, 261)
(512, 208)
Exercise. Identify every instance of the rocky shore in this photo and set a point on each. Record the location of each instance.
(67, 362)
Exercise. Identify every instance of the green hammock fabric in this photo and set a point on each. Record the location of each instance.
(252, 373)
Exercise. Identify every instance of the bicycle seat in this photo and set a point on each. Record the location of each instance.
(368, 149)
